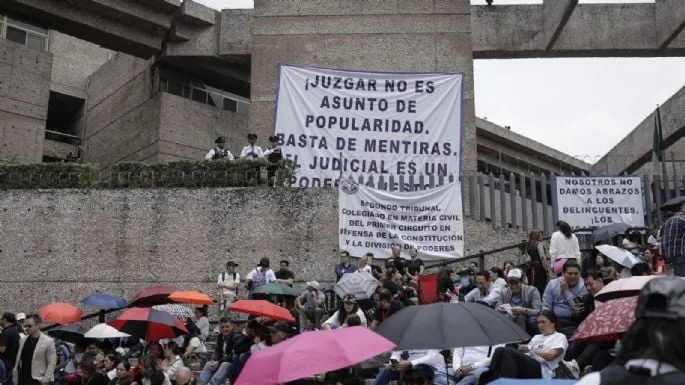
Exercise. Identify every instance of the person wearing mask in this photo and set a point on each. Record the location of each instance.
(562, 246)
(522, 302)
(37, 356)
(220, 152)
(564, 295)
(537, 359)
(10, 334)
(485, 292)
(652, 350)
(402, 361)
(228, 284)
(535, 249)
(344, 266)
(259, 276)
(386, 308)
(251, 151)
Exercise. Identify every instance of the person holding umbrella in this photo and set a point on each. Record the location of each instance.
(652, 349)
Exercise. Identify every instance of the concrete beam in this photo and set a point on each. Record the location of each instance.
(235, 37)
(670, 21)
(106, 31)
(197, 14)
(166, 6)
(134, 10)
(556, 14)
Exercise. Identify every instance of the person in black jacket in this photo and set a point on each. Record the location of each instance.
(10, 331)
(216, 370)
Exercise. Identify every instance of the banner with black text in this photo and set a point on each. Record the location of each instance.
(372, 220)
(368, 123)
(591, 201)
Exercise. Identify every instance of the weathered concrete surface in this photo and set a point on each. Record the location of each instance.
(24, 93)
(634, 152)
(74, 60)
(66, 244)
(371, 35)
(670, 15)
(188, 129)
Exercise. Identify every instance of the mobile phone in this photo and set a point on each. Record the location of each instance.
(577, 300)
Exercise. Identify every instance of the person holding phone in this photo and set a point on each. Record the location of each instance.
(402, 362)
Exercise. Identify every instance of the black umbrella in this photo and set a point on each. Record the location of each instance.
(674, 204)
(608, 232)
(68, 333)
(448, 325)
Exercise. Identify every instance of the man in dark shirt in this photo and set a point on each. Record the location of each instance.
(395, 261)
(10, 332)
(386, 307)
(414, 265)
(284, 276)
(216, 370)
(344, 266)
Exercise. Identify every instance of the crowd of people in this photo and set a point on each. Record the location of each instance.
(548, 296)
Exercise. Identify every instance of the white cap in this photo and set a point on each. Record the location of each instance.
(20, 316)
(313, 284)
(515, 274)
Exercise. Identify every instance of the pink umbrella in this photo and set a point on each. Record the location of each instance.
(312, 353)
(624, 287)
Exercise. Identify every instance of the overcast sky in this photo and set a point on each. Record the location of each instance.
(582, 107)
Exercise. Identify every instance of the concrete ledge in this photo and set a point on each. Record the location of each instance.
(334, 25)
(166, 6)
(197, 14)
(235, 37)
(557, 13)
(670, 21)
(269, 8)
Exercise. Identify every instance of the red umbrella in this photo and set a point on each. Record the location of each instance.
(148, 324)
(60, 313)
(607, 321)
(151, 296)
(261, 308)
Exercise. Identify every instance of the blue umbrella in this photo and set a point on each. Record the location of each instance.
(105, 301)
(512, 381)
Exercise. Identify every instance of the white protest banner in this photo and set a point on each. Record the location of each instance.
(589, 201)
(372, 220)
(368, 123)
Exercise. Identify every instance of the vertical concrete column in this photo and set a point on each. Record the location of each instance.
(381, 35)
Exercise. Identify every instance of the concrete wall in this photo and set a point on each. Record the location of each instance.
(24, 93)
(634, 151)
(416, 35)
(122, 122)
(65, 244)
(74, 61)
(188, 129)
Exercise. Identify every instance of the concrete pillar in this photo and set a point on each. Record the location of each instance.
(382, 35)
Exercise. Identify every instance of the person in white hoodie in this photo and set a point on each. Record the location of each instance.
(563, 246)
(469, 363)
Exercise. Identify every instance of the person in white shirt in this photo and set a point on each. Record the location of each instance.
(470, 363)
(251, 151)
(202, 322)
(260, 275)
(562, 246)
(220, 152)
(228, 284)
(485, 290)
(348, 307)
(538, 359)
(173, 360)
(404, 360)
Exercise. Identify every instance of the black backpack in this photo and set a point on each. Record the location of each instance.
(624, 376)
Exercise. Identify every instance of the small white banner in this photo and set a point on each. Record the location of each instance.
(368, 123)
(372, 220)
(599, 201)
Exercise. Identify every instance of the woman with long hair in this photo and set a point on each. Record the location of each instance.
(537, 275)
(537, 359)
(348, 307)
(90, 375)
(652, 350)
(150, 373)
(173, 360)
(563, 246)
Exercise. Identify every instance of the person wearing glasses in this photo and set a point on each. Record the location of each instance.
(37, 356)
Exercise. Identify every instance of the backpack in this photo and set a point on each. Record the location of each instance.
(223, 276)
(624, 376)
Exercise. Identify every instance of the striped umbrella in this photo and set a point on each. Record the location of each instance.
(360, 284)
(175, 310)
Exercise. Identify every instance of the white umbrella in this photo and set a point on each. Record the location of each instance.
(101, 331)
(175, 310)
(360, 284)
(621, 256)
